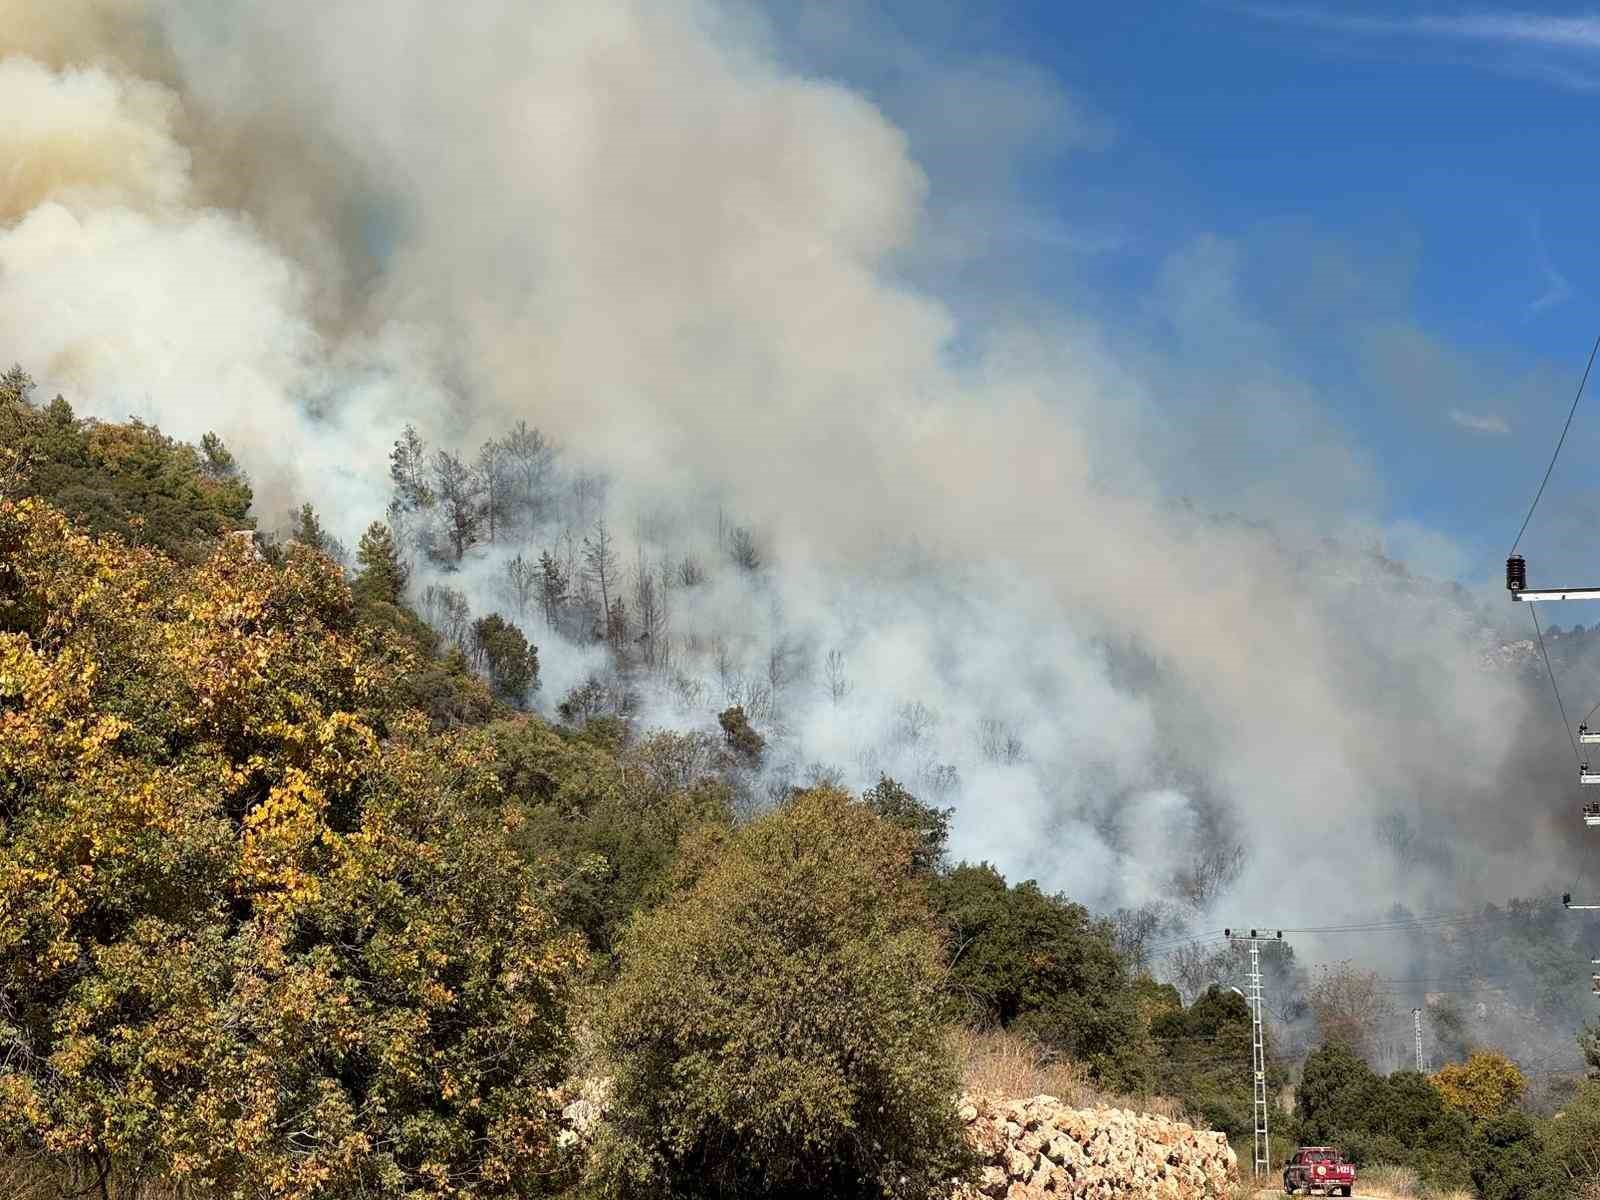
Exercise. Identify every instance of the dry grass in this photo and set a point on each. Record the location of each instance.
(997, 1063)
(21, 1179)
(35, 1177)
(1389, 1183)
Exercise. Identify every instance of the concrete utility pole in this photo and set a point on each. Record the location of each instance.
(1416, 1020)
(1258, 1043)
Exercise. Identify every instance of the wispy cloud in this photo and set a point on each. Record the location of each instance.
(1488, 423)
(1558, 288)
(1555, 50)
(1520, 28)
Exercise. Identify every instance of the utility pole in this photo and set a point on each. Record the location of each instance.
(1258, 1043)
(1416, 1020)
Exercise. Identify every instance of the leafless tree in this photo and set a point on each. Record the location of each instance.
(781, 660)
(818, 775)
(690, 572)
(914, 721)
(833, 671)
(1193, 967)
(522, 583)
(1397, 832)
(1211, 868)
(1350, 1006)
(494, 476)
(743, 550)
(446, 610)
(588, 494)
(998, 743)
(1133, 929)
(689, 691)
(531, 460)
(727, 669)
(650, 608)
(600, 566)
(938, 779)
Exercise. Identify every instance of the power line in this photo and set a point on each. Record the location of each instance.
(1426, 921)
(1565, 724)
(1404, 924)
(1561, 441)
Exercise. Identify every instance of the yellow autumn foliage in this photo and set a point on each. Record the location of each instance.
(261, 933)
(1485, 1086)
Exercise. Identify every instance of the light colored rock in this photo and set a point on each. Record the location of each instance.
(1040, 1148)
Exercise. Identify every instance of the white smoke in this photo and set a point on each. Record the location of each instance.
(627, 222)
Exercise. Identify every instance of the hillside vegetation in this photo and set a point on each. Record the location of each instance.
(299, 899)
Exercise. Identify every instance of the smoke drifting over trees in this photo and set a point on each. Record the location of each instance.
(727, 458)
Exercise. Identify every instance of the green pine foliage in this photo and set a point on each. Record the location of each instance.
(127, 479)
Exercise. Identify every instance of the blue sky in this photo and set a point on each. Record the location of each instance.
(1402, 195)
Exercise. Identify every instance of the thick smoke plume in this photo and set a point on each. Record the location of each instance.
(628, 223)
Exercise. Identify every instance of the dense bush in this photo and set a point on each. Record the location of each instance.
(774, 1028)
(1041, 964)
(1509, 1162)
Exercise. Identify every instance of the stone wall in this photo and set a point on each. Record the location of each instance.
(1040, 1147)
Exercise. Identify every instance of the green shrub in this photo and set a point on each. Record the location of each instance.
(774, 1028)
(1042, 965)
(1508, 1160)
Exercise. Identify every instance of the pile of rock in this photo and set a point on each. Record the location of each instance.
(583, 1104)
(1040, 1147)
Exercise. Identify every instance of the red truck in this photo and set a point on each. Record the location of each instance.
(1318, 1169)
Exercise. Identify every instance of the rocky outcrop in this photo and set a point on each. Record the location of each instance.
(1040, 1147)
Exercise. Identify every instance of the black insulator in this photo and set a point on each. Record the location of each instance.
(1516, 573)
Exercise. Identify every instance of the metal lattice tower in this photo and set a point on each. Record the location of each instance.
(1416, 1020)
(1258, 1048)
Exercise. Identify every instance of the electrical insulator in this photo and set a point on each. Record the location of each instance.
(1516, 573)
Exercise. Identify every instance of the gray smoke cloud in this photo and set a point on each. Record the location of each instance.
(643, 228)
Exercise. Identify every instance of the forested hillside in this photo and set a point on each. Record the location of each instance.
(300, 896)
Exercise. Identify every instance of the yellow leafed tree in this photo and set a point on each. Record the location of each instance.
(1485, 1086)
(261, 933)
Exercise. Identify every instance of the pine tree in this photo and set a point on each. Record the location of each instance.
(500, 650)
(554, 585)
(16, 385)
(460, 491)
(383, 573)
(306, 529)
(219, 460)
(408, 470)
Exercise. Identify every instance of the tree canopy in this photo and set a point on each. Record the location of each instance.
(775, 1027)
(254, 936)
